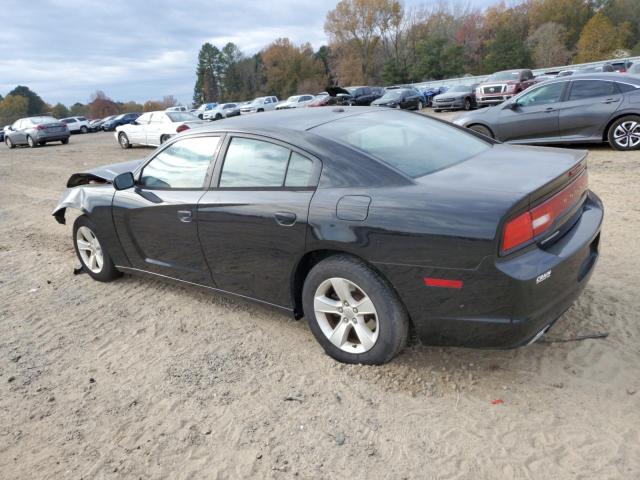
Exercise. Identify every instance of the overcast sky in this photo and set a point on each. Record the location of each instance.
(140, 49)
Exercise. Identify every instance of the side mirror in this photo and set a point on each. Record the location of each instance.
(124, 181)
(134, 122)
(513, 105)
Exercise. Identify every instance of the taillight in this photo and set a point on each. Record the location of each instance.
(182, 128)
(39, 127)
(537, 220)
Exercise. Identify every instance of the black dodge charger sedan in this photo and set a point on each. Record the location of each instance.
(369, 222)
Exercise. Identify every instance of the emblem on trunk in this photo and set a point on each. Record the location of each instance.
(543, 277)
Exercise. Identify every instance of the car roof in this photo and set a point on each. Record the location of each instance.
(611, 76)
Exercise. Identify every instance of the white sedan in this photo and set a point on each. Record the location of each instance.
(296, 101)
(155, 128)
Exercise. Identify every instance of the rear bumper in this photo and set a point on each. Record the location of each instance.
(52, 137)
(449, 105)
(504, 303)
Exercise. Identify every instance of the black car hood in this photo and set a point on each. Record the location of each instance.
(105, 173)
(334, 91)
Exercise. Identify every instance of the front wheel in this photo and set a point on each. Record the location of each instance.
(83, 129)
(64, 141)
(9, 143)
(91, 252)
(624, 133)
(353, 313)
(123, 140)
(467, 104)
(419, 106)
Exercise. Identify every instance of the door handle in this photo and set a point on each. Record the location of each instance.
(610, 100)
(549, 109)
(286, 219)
(185, 216)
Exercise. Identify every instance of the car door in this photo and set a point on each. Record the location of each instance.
(137, 131)
(17, 133)
(532, 116)
(253, 222)
(156, 220)
(589, 106)
(158, 125)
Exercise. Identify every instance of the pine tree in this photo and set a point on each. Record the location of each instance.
(206, 89)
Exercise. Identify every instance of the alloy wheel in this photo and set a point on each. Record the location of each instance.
(346, 315)
(627, 134)
(89, 249)
(124, 140)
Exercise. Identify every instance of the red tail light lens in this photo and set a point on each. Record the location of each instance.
(532, 223)
(182, 128)
(39, 127)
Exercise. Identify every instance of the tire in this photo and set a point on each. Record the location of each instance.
(31, 142)
(104, 272)
(83, 129)
(42, 144)
(467, 104)
(260, 110)
(163, 139)
(9, 143)
(624, 133)
(64, 141)
(437, 110)
(481, 129)
(123, 140)
(218, 116)
(390, 319)
(419, 106)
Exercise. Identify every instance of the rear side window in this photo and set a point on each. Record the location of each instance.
(581, 89)
(181, 165)
(412, 143)
(251, 163)
(625, 87)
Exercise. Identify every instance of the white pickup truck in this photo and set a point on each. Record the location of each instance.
(260, 104)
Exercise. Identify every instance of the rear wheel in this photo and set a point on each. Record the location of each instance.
(91, 252)
(163, 139)
(467, 104)
(419, 105)
(32, 143)
(624, 133)
(9, 143)
(123, 140)
(353, 313)
(64, 141)
(83, 129)
(481, 129)
(218, 116)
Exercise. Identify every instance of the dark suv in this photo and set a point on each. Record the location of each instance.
(363, 96)
(34, 131)
(123, 119)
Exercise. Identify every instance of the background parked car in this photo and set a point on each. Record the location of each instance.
(503, 85)
(199, 112)
(621, 66)
(605, 67)
(155, 128)
(404, 98)
(567, 73)
(76, 124)
(634, 69)
(219, 112)
(589, 108)
(363, 96)
(296, 101)
(324, 99)
(179, 108)
(234, 112)
(260, 104)
(2, 133)
(35, 131)
(122, 119)
(456, 98)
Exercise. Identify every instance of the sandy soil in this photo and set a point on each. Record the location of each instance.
(140, 379)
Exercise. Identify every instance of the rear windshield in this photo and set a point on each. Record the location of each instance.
(412, 143)
(503, 76)
(43, 120)
(181, 116)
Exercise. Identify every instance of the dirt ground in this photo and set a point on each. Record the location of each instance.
(141, 379)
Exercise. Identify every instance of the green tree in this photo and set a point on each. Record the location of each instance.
(506, 51)
(35, 104)
(206, 88)
(600, 38)
(12, 107)
(437, 58)
(60, 111)
(80, 110)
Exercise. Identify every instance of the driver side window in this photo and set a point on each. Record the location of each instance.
(543, 95)
(183, 164)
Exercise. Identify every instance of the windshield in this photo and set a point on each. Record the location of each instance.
(180, 116)
(392, 95)
(504, 76)
(414, 144)
(460, 88)
(257, 101)
(41, 120)
(294, 98)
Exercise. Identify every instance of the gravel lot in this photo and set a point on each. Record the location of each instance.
(141, 379)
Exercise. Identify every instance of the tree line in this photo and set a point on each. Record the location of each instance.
(381, 42)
